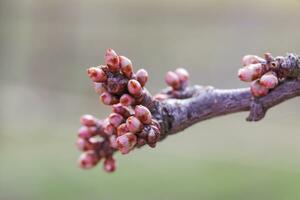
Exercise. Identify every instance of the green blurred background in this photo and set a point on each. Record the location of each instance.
(45, 48)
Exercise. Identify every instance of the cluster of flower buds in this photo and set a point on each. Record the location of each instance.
(94, 142)
(177, 80)
(129, 125)
(263, 73)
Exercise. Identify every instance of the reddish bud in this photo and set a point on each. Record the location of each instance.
(126, 142)
(96, 74)
(112, 60)
(87, 132)
(134, 87)
(109, 129)
(127, 100)
(88, 120)
(122, 129)
(99, 88)
(141, 142)
(88, 159)
(115, 119)
(251, 59)
(143, 114)
(126, 66)
(172, 80)
(182, 74)
(160, 97)
(108, 99)
(142, 76)
(257, 89)
(251, 72)
(113, 141)
(109, 164)
(122, 110)
(134, 124)
(84, 144)
(269, 80)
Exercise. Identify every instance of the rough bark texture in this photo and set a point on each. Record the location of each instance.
(207, 102)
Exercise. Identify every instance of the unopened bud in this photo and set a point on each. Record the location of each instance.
(126, 142)
(142, 77)
(122, 110)
(251, 72)
(87, 132)
(109, 129)
(160, 97)
(99, 88)
(127, 100)
(112, 60)
(182, 74)
(134, 124)
(84, 144)
(126, 66)
(108, 99)
(122, 129)
(172, 80)
(113, 141)
(134, 87)
(88, 120)
(109, 164)
(115, 119)
(143, 114)
(251, 59)
(269, 80)
(88, 159)
(96, 74)
(257, 89)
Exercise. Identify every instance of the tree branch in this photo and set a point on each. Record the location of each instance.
(207, 102)
(138, 118)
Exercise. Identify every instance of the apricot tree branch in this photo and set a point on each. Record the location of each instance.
(138, 118)
(207, 102)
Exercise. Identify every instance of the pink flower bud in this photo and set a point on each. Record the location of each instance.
(172, 80)
(112, 60)
(96, 74)
(251, 59)
(127, 100)
(82, 144)
(182, 74)
(142, 76)
(85, 145)
(88, 159)
(122, 129)
(109, 164)
(115, 119)
(126, 66)
(88, 120)
(109, 129)
(160, 97)
(87, 132)
(251, 72)
(143, 114)
(108, 99)
(113, 141)
(122, 110)
(257, 89)
(134, 87)
(99, 88)
(269, 80)
(126, 142)
(141, 142)
(134, 125)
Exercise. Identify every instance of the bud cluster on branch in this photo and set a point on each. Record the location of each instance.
(138, 119)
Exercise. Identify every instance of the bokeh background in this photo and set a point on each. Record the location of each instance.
(45, 48)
